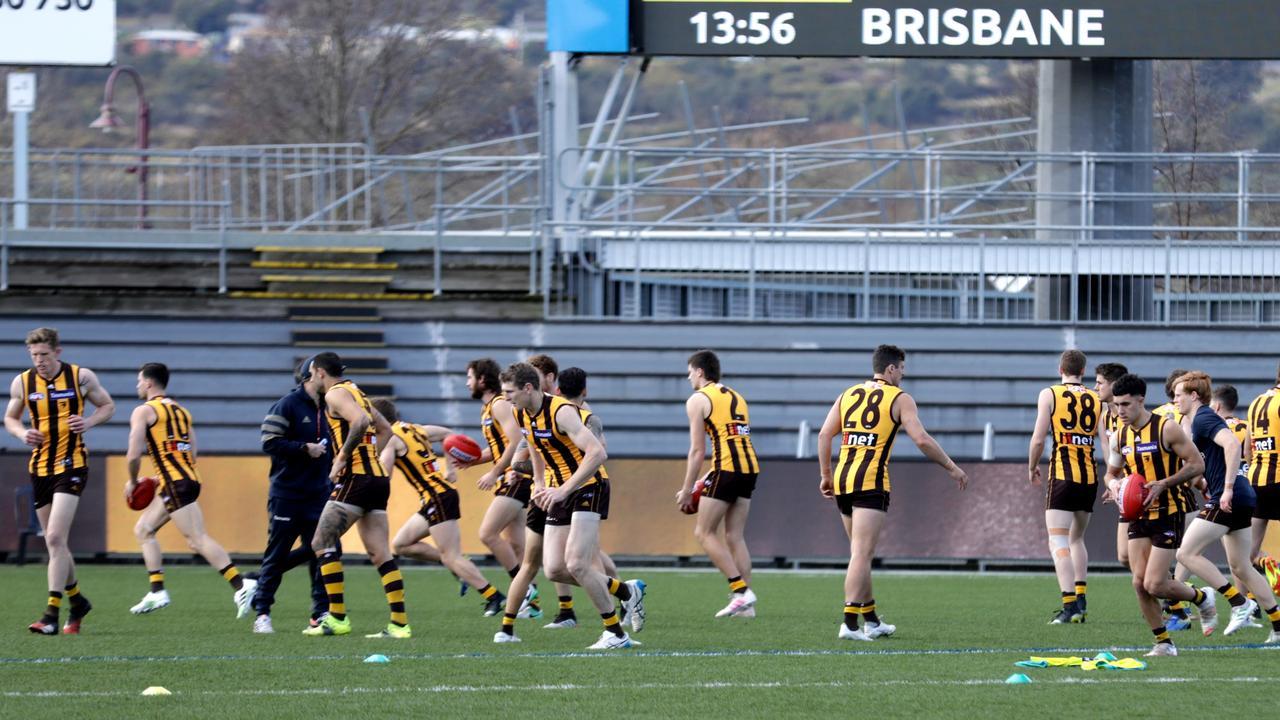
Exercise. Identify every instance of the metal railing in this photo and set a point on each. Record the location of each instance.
(138, 241)
(927, 235)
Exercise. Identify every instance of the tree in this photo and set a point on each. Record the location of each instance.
(322, 63)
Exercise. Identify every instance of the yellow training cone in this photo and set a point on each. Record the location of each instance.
(156, 690)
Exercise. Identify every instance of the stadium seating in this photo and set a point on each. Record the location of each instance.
(229, 371)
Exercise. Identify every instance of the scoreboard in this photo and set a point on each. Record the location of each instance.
(1224, 29)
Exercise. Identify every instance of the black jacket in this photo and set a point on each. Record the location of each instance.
(292, 422)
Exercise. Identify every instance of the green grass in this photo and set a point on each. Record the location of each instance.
(958, 637)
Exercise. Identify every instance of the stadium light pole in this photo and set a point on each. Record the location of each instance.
(109, 120)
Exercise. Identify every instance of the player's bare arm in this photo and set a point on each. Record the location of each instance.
(1230, 445)
(505, 416)
(1044, 408)
(387, 456)
(342, 403)
(830, 429)
(697, 407)
(1192, 464)
(142, 418)
(103, 406)
(13, 416)
(905, 411)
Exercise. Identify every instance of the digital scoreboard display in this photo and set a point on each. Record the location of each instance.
(1221, 29)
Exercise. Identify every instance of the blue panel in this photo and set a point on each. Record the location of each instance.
(587, 26)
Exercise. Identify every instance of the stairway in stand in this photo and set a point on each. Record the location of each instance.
(352, 331)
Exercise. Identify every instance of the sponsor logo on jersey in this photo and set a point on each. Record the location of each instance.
(36, 396)
(177, 446)
(860, 439)
(1076, 439)
(1147, 447)
(543, 434)
(67, 394)
(1264, 445)
(739, 429)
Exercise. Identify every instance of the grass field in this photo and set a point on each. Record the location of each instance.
(958, 637)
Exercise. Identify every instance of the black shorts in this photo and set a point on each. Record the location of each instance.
(178, 494)
(71, 482)
(520, 489)
(441, 507)
(1240, 517)
(867, 499)
(1070, 496)
(1165, 532)
(1268, 507)
(729, 486)
(535, 519)
(369, 492)
(592, 498)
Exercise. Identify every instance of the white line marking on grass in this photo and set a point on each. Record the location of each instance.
(575, 687)
(571, 655)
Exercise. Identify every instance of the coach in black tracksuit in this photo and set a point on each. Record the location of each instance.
(294, 434)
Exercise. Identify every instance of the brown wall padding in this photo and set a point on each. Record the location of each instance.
(1000, 516)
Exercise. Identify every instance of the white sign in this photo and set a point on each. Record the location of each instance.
(22, 92)
(58, 32)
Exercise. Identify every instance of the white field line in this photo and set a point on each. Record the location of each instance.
(1111, 678)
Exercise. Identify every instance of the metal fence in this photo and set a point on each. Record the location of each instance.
(927, 235)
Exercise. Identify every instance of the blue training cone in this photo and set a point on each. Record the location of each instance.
(377, 659)
(1017, 679)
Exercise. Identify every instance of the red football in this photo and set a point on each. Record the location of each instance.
(1133, 495)
(699, 486)
(143, 493)
(462, 448)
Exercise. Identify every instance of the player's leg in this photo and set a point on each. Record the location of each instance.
(449, 539)
(1122, 543)
(1080, 557)
(189, 520)
(55, 519)
(1160, 584)
(1239, 544)
(865, 526)
(283, 530)
(335, 519)
(373, 529)
(1200, 535)
(742, 600)
(408, 541)
(500, 524)
(1259, 527)
(709, 530)
(519, 587)
(149, 523)
(606, 564)
(581, 554)
(1058, 524)
(1139, 552)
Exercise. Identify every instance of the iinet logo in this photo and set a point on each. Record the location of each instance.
(982, 27)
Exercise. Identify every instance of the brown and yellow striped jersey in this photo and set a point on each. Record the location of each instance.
(1264, 434)
(729, 427)
(867, 432)
(1169, 410)
(420, 466)
(1145, 454)
(364, 457)
(49, 404)
(169, 442)
(1074, 426)
(493, 433)
(558, 451)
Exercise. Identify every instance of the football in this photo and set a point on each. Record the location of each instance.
(1133, 495)
(698, 487)
(143, 493)
(462, 448)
